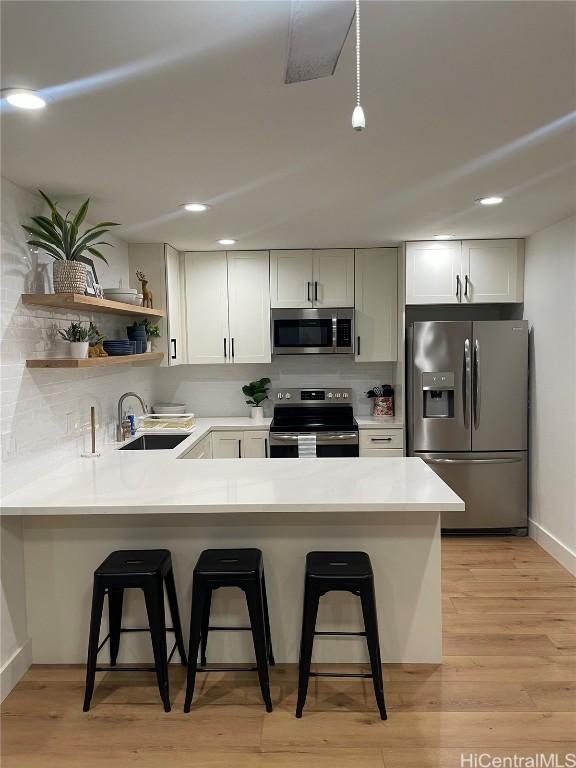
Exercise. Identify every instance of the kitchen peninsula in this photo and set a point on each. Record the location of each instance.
(71, 519)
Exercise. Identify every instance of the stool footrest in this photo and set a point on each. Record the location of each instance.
(229, 629)
(142, 629)
(366, 675)
(148, 668)
(226, 669)
(342, 634)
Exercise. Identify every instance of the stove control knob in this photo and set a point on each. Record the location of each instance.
(337, 394)
(345, 395)
(279, 396)
(330, 395)
(288, 395)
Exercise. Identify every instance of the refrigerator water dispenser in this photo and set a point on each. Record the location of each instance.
(438, 394)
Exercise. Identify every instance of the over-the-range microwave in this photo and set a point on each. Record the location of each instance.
(313, 331)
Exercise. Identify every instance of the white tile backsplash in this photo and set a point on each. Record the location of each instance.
(45, 413)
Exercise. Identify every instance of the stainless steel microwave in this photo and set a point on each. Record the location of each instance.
(313, 331)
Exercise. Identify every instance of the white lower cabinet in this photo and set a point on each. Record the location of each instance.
(382, 443)
(202, 450)
(250, 444)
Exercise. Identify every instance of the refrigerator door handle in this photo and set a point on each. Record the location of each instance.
(511, 460)
(466, 381)
(477, 384)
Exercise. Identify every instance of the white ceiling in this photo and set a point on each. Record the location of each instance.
(154, 104)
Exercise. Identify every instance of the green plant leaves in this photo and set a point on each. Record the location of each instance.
(257, 391)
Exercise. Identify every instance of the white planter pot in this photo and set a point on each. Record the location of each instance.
(79, 350)
(257, 412)
(148, 346)
(69, 277)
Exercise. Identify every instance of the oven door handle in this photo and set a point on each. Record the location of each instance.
(320, 437)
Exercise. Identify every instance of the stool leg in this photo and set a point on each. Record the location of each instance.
(154, 596)
(175, 614)
(198, 599)
(115, 600)
(98, 592)
(267, 623)
(310, 612)
(368, 598)
(253, 592)
(205, 625)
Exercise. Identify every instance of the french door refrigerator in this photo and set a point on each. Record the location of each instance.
(468, 417)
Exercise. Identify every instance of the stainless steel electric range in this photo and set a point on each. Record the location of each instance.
(325, 413)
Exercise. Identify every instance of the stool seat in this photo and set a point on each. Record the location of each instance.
(224, 562)
(338, 565)
(135, 562)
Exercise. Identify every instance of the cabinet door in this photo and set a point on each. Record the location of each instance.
(255, 444)
(291, 279)
(376, 302)
(333, 273)
(434, 273)
(174, 315)
(207, 307)
(202, 450)
(495, 271)
(227, 445)
(249, 306)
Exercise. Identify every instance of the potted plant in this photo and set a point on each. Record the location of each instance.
(257, 392)
(79, 337)
(60, 237)
(152, 332)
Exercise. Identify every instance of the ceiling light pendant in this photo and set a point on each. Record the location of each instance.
(358, 117)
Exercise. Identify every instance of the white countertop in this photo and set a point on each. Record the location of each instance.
(376, 422)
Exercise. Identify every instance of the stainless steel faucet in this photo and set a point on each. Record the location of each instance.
(119, 435)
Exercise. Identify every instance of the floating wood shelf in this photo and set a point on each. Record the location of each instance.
(93, 362)
(81, 303)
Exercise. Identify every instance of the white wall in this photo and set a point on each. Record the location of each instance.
(549, 306)
(44, 414)
(215, 390)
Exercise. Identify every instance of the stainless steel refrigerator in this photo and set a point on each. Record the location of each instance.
(467, 399)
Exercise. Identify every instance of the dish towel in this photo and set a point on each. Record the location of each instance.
(306, 446)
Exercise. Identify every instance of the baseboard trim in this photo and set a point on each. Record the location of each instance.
(15, 668)
(553, 546)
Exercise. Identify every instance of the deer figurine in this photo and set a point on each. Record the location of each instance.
(146, 293)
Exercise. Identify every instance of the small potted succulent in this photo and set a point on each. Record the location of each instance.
(60, 237)
(257, 392)
(79, 337)
(152, 332)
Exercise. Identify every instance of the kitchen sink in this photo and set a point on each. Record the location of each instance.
(154, 443)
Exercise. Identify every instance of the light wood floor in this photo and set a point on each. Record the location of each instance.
(507, 685)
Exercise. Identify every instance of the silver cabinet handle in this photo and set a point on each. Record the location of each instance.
(511, 460)
(381, 439)
(458, 287)
(477, 384)
(465, 381)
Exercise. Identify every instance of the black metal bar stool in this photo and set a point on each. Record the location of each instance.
(344, 572)
(148, 570)
(241, 568)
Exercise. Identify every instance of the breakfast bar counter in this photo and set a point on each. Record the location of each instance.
(71, 519)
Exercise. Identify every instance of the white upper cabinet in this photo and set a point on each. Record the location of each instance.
(434, 272)
(174, 314)
(495, 271)
(291, 279)
(467, 272)
(249, 306)
(376, 316)
(207, 307)
(333, 277)
(303, 279)
(228, 307)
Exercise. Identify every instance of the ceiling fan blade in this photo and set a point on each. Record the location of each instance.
(318, 31)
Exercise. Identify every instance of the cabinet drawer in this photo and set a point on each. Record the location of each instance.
(380, 453)
(381, 438)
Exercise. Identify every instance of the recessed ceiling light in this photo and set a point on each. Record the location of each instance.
(443, 237)
(492, 200)
(23, 99)
(196, 207)
(226, 241)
